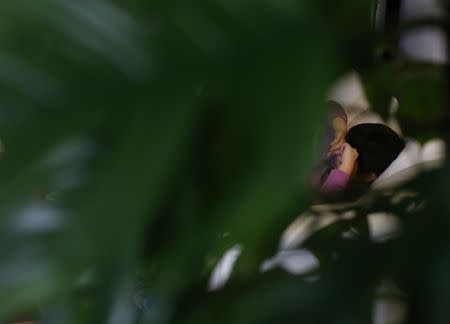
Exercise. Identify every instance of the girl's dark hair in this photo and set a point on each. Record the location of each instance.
(377, 145)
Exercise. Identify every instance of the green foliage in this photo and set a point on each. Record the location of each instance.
(138, 133)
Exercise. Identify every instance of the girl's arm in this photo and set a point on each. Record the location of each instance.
(339, 125)
(338, 178)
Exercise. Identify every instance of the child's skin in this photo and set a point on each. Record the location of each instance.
(348, 161)
(340, 131)
(338, 146)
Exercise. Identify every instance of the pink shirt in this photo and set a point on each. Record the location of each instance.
(336, 181)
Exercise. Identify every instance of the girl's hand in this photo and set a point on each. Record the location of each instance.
(336, 144)
(348, 160)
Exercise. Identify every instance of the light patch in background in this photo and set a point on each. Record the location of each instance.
(295, 262)
(361, 116)
(392, 121)
(349, 92)
(380, 13)
(402, 169)
(383, 226)
(417, 9)
(350, 234)
(389, 305)
(433, 154)
(38, 217)
(366, 116)
(427, 44)
(387, 310)
(412, 160)
(122, 310)
(224, 268)
(402, 195)
(307, 224)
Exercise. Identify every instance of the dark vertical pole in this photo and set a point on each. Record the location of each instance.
(392, 18)
(446, 126)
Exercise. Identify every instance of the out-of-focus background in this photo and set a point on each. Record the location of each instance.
(155, 156)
